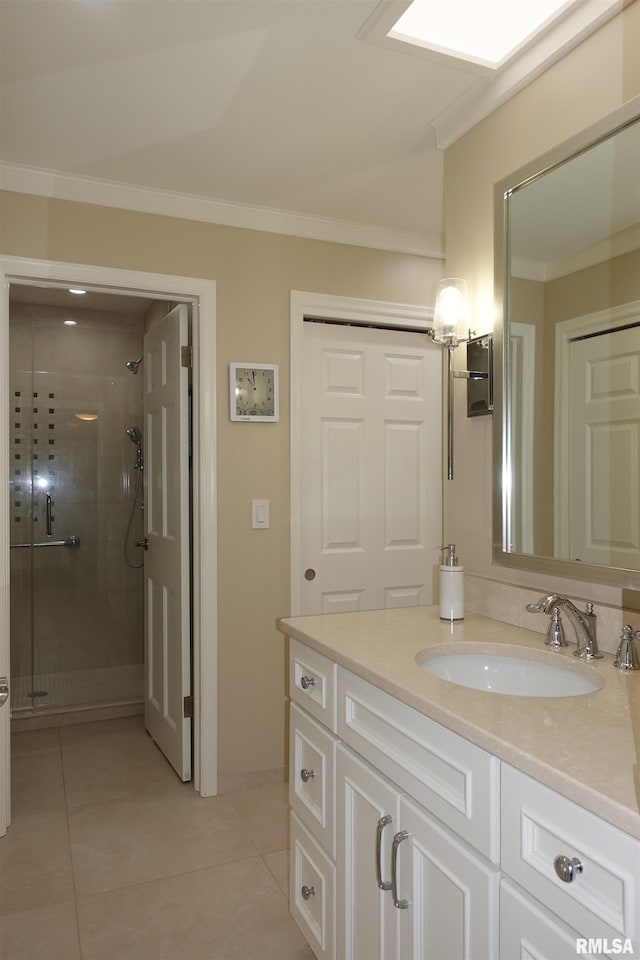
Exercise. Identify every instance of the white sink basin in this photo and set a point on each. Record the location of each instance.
(497, 670)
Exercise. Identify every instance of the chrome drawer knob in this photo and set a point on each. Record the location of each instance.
(307, 682)
(567, 868)
(307, 775)
(308, 892)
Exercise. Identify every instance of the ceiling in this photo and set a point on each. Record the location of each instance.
(290, 115)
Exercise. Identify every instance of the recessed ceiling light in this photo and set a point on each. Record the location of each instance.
(70, 323)
(77, 290)
(487, 33)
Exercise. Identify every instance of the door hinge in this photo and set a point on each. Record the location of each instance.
(188, 707)
(186, 356)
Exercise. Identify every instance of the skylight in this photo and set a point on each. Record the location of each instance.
(487, 33)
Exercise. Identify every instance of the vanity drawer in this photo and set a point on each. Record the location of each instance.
(455, 780)
(312, 682)
(527, 929)
(312, 891)
(539, 825)
(312, 776)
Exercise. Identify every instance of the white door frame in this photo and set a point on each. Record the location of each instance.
(201, 294)
(568, 330)
(373, 313)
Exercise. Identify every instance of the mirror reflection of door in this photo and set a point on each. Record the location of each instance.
(604, 460)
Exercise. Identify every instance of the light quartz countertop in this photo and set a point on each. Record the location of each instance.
(586, 747)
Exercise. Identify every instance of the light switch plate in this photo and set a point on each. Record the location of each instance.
(260, 514)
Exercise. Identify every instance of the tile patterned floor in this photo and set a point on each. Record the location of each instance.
(111, 857)
(96, 685)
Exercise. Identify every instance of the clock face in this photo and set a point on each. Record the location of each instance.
(254, 392)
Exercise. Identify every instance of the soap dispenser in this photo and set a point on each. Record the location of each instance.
(451, 585)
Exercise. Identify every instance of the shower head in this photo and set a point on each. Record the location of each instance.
(133, 365)
(134, 434)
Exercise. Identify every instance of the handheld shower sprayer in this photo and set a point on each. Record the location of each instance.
(135, 435)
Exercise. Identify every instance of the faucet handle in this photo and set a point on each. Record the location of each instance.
(555, 633)
(627, 657)
(535, 608)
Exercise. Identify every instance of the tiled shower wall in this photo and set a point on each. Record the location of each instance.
(84, 606)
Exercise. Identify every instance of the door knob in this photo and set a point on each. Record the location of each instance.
(143, 543)
(309, 574)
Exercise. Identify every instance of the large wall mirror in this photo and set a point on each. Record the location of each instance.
(567, 440)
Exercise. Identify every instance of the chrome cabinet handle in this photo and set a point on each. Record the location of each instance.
(4, 690)
(306, 682)
(307, 775)
(308, 892)
(567, 868)
(382, 823)
(397, 840)
(49, 517)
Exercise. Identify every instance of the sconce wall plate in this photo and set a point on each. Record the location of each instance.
(479, 376)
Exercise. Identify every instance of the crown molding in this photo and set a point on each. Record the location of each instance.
(61, 186)
(488, 88)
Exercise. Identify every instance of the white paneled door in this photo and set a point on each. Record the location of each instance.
(166, 561)
(371, 468)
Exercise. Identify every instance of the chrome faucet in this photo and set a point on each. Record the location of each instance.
(584, 623)
(628, 656)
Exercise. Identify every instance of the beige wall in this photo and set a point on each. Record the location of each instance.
(254, 273)
(588, 84)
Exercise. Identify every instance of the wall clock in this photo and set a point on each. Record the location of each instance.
(253, 391)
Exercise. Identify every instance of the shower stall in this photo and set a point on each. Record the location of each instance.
(76, 508)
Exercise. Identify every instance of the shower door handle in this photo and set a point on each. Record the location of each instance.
(49, 517)
(4, 690)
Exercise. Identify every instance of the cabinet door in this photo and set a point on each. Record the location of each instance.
(530, 932)
(366, 918)
(451, 894)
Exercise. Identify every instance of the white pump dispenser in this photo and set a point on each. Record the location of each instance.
(451, 585)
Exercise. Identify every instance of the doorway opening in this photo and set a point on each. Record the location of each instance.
(146, 289)
(76, 504)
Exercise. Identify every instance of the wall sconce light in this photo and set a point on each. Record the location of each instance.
(450, 329)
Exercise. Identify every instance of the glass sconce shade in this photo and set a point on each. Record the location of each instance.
(451, 317)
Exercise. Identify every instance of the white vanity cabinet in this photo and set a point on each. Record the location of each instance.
(408, 842)
(443, 904)
(347, 817)
(583, 870)
(407, 885)
(312, 793)
(368, 816)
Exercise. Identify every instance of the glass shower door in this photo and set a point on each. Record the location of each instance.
(21, 519)
(76, 606)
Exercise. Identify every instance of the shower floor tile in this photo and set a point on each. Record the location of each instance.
(77, 687)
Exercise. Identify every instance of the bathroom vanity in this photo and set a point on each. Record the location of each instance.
(430, 820)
